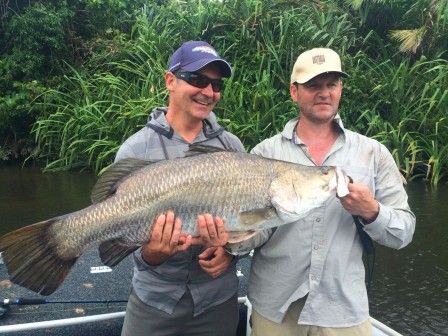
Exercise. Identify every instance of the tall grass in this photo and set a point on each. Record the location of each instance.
(92, 115)
(400, 102)
(404, 106)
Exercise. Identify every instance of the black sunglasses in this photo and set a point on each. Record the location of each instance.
(200, 81)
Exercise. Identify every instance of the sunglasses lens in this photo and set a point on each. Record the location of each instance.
(217, 85)
(200, 81)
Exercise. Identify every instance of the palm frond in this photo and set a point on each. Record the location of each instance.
(409, 39)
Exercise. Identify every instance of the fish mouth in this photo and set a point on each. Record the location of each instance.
(342, 181)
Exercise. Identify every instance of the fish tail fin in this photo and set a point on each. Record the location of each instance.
(31, 258)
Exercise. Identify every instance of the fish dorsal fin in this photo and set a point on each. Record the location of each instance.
(196, 149)
(108, 182)
(115, 250)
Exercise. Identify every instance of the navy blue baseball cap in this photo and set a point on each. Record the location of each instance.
(194, 55)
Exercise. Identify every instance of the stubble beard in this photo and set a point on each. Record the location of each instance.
(315, 118)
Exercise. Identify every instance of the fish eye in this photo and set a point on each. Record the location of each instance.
(324, 170)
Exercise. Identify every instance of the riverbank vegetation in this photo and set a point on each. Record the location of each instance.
(78, 77)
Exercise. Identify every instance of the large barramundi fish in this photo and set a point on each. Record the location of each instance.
(249, 192)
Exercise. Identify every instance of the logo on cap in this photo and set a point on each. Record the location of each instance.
(319, 59)
(206, 50)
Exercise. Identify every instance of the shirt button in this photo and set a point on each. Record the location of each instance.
(316, 247)
(313, 277)
(318, 220)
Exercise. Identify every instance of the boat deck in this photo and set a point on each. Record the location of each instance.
(89, 280)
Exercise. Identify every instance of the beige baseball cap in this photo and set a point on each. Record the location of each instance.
(314, 62)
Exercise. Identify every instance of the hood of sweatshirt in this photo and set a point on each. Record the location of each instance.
(157, 121)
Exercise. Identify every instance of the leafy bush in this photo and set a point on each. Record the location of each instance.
(119, 50)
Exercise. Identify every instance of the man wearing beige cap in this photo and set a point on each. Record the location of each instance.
(307, 278)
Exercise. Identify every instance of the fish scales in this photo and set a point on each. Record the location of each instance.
(220, 187)
(249, 192)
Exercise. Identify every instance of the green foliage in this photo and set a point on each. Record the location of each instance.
(115, 54)
(405, 108)
(88, 127)
(247, 107)
(417, 27)
(34, 47)
(36, 41)
(17, 113)
(5, 154)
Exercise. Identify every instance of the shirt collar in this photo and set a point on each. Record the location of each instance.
(289, 131)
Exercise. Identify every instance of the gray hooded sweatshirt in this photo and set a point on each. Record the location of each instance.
(162, 286)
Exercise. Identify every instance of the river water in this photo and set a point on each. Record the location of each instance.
(410, 286)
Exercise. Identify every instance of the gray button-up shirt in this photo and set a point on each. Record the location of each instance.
(163, 286)
(321, 255)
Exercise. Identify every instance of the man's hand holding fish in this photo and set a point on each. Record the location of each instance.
(165, 239)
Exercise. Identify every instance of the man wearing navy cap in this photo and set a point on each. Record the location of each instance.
(179, 288)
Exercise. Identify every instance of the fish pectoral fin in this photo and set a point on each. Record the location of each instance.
(240, 236)
(289, 217)
(108, 182)
(256, 217)
(115, 250)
